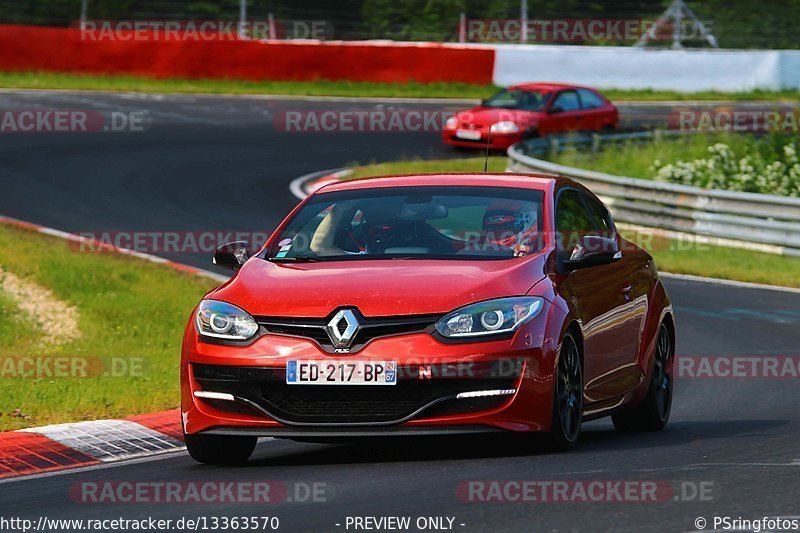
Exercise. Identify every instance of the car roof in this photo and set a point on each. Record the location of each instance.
(540, 182)
(549, 86)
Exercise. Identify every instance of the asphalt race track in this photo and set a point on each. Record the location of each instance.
(218, 163)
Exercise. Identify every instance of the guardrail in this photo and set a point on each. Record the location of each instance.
(759, 219)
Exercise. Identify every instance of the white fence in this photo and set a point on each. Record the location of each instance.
(621, 67)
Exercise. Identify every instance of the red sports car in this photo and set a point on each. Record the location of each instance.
(430, 304)
(530, 110)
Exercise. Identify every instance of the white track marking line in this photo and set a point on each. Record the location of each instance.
(730, 283)
(296, 186)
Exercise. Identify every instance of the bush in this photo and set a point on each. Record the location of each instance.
(760, 171)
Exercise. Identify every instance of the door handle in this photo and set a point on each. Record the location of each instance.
(626, 291)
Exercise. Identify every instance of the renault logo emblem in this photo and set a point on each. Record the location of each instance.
(342, 328)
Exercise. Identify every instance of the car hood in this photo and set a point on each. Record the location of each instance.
(483, 116)
(376, 288)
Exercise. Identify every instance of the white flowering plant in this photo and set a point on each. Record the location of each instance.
(772, 170)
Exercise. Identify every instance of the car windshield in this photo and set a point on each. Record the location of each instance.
(518, 99)
(413, 223)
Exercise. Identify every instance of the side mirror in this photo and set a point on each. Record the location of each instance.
(591, 251)
(556, 109)
(231, 255)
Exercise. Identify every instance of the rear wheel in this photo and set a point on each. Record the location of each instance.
(653, 413)
(220, 449)
(568, 401)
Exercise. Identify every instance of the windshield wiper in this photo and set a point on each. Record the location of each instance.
(296, 259)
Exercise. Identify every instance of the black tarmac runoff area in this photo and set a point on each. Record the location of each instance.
(224, 164)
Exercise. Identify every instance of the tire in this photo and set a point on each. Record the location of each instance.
(652, 414)
(565, 426)
(220, 449)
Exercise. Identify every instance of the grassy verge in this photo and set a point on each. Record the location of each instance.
(636, 160)
(129, 309)
(48, 80)
(689, 257)
(671, 255)
(472, 164)
(52, 80)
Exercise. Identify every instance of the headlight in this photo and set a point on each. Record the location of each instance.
(494, 317)
(505, 126)
(224, 321)
(451, 123)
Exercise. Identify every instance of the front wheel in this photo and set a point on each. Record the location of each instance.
(568, 396)
(653, 413)
(220, 449)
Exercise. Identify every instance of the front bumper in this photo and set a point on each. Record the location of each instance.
(499, 141)
(431, 374)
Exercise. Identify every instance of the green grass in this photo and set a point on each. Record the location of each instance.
(49, 80)
(54, 80)
(652, 95)
(636, 160)
(472, 164)
(129, 309)
(13, 334)
(684, 257)
(680, 257)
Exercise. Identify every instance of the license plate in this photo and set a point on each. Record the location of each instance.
(470, 135)
(341, 372)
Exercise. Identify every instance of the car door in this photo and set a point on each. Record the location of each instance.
(594, 115)
(564, 113)
(623, 370)
(596, 295)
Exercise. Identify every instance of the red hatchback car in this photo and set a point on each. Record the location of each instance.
(430, 304)
(530, 110)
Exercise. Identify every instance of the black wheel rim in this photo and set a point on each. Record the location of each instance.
(570, 389)
(662, 373)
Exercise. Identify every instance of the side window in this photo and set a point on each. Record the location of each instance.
(590, 99)
(573, 221)
(603, 222)
(567, 101)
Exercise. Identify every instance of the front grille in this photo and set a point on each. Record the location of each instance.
(354, 404)
(369, 328)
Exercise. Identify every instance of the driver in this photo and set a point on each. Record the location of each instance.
(511, 228)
